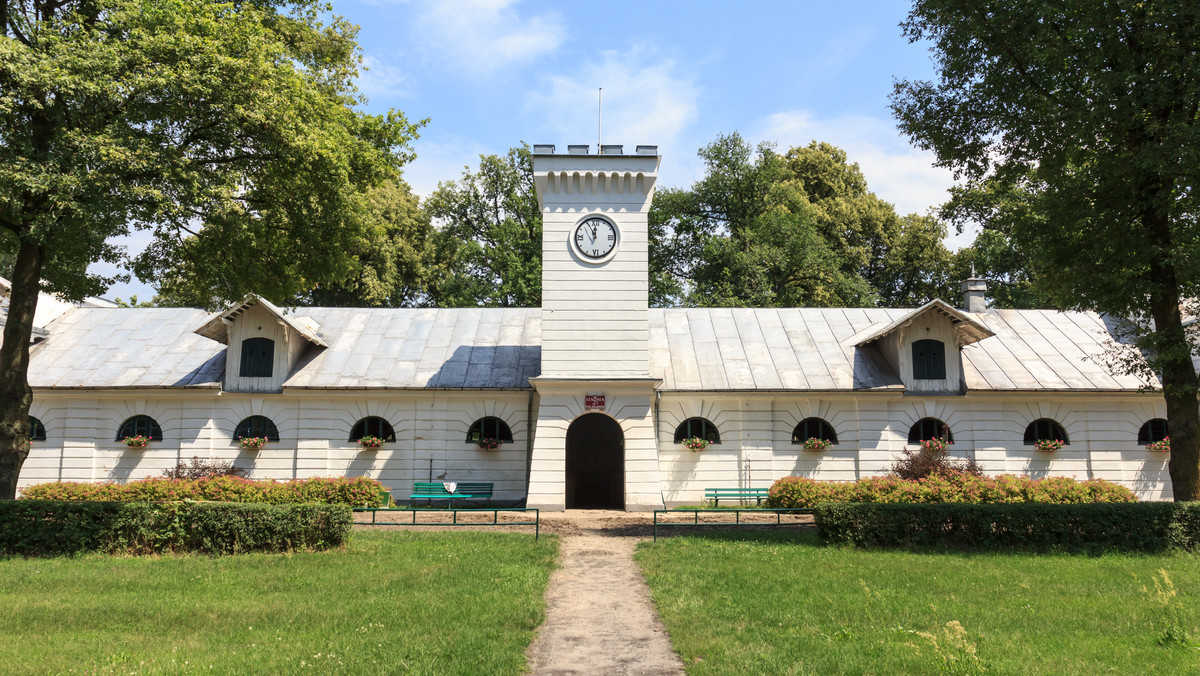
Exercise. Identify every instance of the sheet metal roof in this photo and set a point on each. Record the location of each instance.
(706, 349)
(703, 349)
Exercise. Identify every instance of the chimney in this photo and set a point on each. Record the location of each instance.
(973, 292)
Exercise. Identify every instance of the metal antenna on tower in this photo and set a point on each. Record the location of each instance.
(599, 119)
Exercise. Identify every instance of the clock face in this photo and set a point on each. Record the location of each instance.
(595, 238)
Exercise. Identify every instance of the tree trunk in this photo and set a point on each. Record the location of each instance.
(1183, 415)
(15, 394)
(1179, 390)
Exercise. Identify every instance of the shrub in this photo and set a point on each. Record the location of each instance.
(949, 486)
(202, 469)
(1146, 526)
(931, 458)
(353, 492)
(51, 528)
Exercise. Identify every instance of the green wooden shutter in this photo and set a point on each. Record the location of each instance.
(258, 358)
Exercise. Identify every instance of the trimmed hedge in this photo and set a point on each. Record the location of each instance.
(52, 528)
(1126, 527)
(354, 492)
(798, 492)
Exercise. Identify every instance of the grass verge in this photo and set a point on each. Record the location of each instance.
(390, 602)
(769, 602)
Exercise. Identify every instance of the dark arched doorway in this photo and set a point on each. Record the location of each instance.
(595, 463)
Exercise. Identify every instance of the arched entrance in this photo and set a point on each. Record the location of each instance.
(595, 463)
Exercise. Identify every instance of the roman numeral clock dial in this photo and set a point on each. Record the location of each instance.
(595, 239)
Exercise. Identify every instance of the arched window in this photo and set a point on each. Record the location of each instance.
(37, 431)
(140, 426)
(813, 428)
(256, 426)
(697, 427)
(929, 360)
(1153, 430)
(373, 426)
(490, 427)
(929, 428)
(258, 358)
(1045, 429)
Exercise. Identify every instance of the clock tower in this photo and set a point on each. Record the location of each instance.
(594, 443)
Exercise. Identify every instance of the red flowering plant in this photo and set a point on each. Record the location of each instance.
(371, 443)
(252, 443)
(815, 444)
(1163, 446)
(936, 445)
(1048, 445)
(695, 444)
(488, 444)
(138, 441)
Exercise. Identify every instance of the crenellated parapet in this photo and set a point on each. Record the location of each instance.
(568, 182)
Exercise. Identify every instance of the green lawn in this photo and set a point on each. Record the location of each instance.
(771, 603)
(391, 602)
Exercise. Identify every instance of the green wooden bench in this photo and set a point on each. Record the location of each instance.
(465, 490)
(718, 494)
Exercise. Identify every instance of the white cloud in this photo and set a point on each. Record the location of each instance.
(443, 161)
(379, 80)
(480, 37)
(646, 101)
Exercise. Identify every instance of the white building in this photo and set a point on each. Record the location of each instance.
(591, 393)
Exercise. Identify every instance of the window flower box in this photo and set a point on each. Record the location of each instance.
(370, 443)
(936, 445)
(138, 441)
(488, 444)
(1163, 446)
(695, 444)
(815, 444)
(1048, 445)
(252, 443)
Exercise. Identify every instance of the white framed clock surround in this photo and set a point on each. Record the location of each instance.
(595, 240)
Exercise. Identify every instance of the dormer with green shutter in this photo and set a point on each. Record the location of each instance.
(924, 347)
(264, 343)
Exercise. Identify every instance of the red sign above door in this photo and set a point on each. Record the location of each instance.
(593, 402)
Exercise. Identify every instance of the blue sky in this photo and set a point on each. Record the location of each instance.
(490, 74)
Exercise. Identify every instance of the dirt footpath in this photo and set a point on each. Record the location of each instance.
(599, 618)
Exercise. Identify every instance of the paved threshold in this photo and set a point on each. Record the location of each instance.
(599, 618)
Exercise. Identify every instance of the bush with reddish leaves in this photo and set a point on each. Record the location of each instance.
(354, 492)
(931, 458)
(946, 487)
(202, 469)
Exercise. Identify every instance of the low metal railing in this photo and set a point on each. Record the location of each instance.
(454, 520)
(737, 517)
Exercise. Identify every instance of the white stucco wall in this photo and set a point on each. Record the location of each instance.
(314, 429)
(431, 427)
(756, 438)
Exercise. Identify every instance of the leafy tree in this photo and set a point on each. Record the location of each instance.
(229, 130)
(799, 229)
(134, 302)
(394, 258)
(915, 266)
(1090, 112)
(491, 227)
